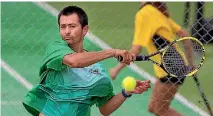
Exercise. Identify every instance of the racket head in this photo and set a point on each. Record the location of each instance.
(183, 57)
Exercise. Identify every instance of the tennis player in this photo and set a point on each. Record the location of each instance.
(154, 29)
(73, 79)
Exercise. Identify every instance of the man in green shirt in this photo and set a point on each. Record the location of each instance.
(72, 79)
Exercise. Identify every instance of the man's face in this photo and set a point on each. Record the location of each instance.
(71, 30)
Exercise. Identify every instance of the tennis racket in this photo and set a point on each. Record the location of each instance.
(180, 58)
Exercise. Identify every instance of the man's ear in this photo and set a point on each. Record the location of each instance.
(85, 29)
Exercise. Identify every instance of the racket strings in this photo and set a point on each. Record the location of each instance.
(183, 57)
(174, 63)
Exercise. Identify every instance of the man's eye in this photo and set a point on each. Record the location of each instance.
(72, 26)
(63, 26)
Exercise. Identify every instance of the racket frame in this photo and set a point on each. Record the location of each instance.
(163, 51)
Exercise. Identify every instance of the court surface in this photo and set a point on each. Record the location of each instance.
(25, 32)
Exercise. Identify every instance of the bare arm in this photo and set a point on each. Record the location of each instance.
(78, 60)
(187, 46)
(115, 102)
(182, 33)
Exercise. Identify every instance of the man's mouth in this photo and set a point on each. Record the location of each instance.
(67, 38)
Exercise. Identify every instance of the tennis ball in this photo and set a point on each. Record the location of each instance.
(129, 83)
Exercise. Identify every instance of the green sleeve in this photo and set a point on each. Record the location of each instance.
(103, 100)
(55, 52)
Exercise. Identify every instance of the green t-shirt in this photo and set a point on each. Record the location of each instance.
(67, 76)
(53, 59)
(89, 85)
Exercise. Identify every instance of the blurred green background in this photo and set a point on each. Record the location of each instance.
(26, 29)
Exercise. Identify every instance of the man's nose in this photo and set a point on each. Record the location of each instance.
(68, 30)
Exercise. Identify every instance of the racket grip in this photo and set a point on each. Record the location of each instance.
(120, 58)
(138, 58)
(141, 58)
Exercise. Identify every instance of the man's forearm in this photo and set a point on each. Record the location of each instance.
(113, 104)
(120, 66)
(78, 60)
(182, 33)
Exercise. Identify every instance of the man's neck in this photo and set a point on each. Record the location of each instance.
(78, 48)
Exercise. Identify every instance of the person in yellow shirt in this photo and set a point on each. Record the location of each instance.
(154, 29)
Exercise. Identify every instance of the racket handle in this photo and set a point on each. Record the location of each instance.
(138, 58)
(120, 58)
(141, 58)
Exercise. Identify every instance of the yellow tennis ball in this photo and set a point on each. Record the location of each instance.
(129, 83)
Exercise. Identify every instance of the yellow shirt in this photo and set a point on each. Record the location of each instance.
(150, 26)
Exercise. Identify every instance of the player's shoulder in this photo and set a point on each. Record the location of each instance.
(148, 11)
(56, 43)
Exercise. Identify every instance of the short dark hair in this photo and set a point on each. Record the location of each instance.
(83, 18)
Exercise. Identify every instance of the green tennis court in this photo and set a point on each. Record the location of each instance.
(28, 28)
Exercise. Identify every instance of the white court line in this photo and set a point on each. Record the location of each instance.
(103, 45)
(7, 103)
(16, 75)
